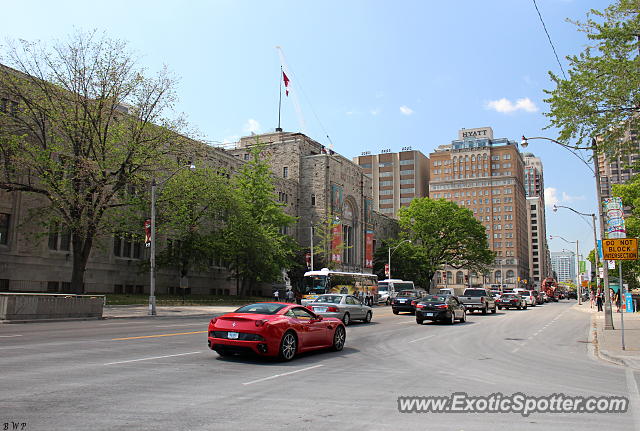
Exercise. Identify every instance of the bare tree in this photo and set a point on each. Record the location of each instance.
(82, 127)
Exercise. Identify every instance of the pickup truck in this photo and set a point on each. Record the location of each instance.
(478, 299)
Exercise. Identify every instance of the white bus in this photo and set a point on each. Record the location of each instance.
(388, 288)
(316, 283)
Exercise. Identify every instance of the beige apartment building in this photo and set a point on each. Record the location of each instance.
(397, 178)
(485, 175)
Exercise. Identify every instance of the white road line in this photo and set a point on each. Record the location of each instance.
(423, 338)
(9, 336)
(634, 397)
(281, 375)
(406, 323)
(155, 357)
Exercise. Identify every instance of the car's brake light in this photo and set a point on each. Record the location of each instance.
(261, 322)
(213, 321)
(420, 305)
(332, 309)
(310, 307)
(441, 306)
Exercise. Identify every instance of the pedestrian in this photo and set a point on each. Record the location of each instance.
(289, 295)
(599, 300)
(276, 295)
(592, 298)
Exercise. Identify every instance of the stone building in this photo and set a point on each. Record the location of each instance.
(326, 184)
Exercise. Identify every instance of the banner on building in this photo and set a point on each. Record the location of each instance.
(336, 199)
(614, 218)
(582, 266)
(368, 249)
(147, 233)
(336, 243)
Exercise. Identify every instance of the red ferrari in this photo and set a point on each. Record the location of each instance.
(274, 329)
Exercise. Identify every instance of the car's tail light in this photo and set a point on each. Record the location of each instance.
(310, 307)
(213, 321)
(413, 302)
(332, 309)
(420, 305)
(261, 322)
(441, 306)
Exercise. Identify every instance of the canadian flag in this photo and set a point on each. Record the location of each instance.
(285, 78)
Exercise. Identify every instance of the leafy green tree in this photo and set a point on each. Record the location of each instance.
(84, 128)
(407, 262)
(255, 244)
(602, 89)
(193, 211)
(442, 233)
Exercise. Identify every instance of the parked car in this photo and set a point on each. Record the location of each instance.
(478, 299)
(511, 300)
(341, 306)
(444, 308)
(388, 289)
(528, 297)
(274, 329)
(538, 295)
(406, 300)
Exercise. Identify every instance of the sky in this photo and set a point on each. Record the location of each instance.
(365, 75)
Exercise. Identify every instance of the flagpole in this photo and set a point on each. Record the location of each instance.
(279, 129)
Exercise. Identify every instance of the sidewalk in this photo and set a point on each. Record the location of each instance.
(608, 344)
(134, 311)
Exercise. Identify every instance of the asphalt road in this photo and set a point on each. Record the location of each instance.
(158, 374)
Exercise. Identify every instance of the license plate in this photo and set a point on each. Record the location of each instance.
(319, 309)
(402, 301)
(429, 314)
(232, 335)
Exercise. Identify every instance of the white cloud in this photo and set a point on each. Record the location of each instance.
(406, 110)
(375, 111)
(550, 196)
(252, 126)
(506, 106)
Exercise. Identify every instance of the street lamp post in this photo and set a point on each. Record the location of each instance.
(392, 250)
(152, 257)
(608, 315)
(578, 287)
(595, 238)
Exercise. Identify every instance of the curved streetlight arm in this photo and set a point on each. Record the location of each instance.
(391, 252)
(555, 207)
(524, 143)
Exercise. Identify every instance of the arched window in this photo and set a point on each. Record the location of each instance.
(459, 277)
(473, 158)
(438, 277)
(497, 277)
(474, 277)
(510, 276)
(348, 221)
(449, 277)
(466, 159)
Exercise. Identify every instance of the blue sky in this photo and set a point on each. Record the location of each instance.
(370, 74)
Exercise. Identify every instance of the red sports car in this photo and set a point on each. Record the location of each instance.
(274, 329)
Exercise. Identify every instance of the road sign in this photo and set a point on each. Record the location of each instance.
(620, 249)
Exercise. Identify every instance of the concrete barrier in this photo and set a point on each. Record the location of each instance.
(37, 306)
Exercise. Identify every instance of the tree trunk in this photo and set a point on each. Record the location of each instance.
(81, 251)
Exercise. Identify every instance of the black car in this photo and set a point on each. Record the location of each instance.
(406, 300)
(511, 300)
(443, 308)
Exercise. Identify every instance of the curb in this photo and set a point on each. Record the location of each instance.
(603, 355)
(64, 319)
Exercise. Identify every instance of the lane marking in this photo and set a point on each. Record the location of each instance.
(159, 335)
(9, 336)
(281, 375)
(634, 397)
(539, 330)
(406, 323)
(423, 338)
(148, 359)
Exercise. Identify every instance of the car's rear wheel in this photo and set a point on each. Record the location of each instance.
(464, 316)
(493, 310)
(419, 321)
(367, 318)
(519, 307)
(339, 337)
(395, 312)
(452, 321)
(288, 346)
(346, 319)
(499, 307)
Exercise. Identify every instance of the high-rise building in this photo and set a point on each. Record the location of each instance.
(485, 174)
(621, 165)
(539, 257)
(398, 178)
(564, 265)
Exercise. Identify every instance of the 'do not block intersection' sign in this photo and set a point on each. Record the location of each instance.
(620, 249)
